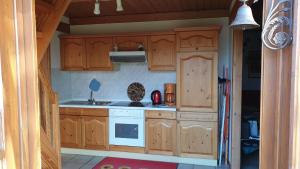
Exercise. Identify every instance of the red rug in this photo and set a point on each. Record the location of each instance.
(123, 163)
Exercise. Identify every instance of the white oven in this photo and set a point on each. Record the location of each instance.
(126, 127)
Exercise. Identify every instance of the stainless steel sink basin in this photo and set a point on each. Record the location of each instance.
(97, 103)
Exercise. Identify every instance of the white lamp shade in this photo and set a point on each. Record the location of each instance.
(244, 19)
(97, 8)
(119, 5)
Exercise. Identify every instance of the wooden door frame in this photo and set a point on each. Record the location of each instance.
(20, 84)
(236, 112)
(280, 101)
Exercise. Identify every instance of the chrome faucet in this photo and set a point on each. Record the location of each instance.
(92, 99)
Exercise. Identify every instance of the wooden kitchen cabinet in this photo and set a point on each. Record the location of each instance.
(94, 132)
(197, 39)
(73, 54)
(197, 139)
(161, 136)
(84, 128)
(161, 52)
(197, 81)
(98, 53)
(70, 131)
(86, 53)
(130, 43)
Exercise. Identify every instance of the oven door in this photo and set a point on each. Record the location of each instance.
(126, 131)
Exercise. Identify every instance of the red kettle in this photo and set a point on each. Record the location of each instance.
(156, 97)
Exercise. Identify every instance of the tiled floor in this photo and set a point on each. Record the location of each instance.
(70, 161)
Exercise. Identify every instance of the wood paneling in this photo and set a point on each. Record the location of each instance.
(95, 132)
(73, 54)
(236, 98)
(197, 81)
(70, 131)
(20, 118)
(161, 52)
(161, 136)
(97, 51)
(81, 11)
(197, 139)
(294, 158)
(275, 104)
(149, 17)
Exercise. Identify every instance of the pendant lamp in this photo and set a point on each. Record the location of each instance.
(244, 18)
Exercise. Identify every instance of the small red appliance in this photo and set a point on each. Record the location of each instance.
(156, 97)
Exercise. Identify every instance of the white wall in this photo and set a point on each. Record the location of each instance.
(74, 85)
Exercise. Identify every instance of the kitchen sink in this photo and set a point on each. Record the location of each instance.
(97, 103)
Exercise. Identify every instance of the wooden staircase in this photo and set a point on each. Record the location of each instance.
(48, 15)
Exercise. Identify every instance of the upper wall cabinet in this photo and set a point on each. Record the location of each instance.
(130, 43)
(197, 80)
(90, 53)
(161, 52)
(197, 39)
(73, 54)
(98, 53)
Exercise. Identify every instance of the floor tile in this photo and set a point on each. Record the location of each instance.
(185, 166)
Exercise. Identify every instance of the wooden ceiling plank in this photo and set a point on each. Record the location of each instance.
(150, 17)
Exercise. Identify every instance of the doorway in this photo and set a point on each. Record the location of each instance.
(251, 90)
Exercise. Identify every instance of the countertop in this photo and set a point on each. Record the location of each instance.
(148, 106)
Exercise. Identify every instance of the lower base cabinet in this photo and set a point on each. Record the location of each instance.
(197, 139)
(94, 132)
(84, 129)
(161, 136)
(70, 131)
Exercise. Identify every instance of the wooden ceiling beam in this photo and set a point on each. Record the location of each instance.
(44, 6)
(150, 17)
(50, 26)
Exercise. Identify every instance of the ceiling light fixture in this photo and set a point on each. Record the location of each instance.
(97, 8)
(244, 18)
(119, 5)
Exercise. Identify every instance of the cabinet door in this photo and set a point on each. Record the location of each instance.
(161, 52)
(94, 132)
(130, 43)
(73, 54)
(161, 136)
(197, 139)
(192, 41)
(197, 80)
(98, 53)
(70, 131)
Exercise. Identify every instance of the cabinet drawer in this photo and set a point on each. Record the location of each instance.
(158, 114)
(70, 111)
(95, 112)
(197, 116)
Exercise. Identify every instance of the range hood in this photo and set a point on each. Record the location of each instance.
(128, 56)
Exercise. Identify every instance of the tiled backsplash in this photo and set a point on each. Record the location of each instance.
(114, 84)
